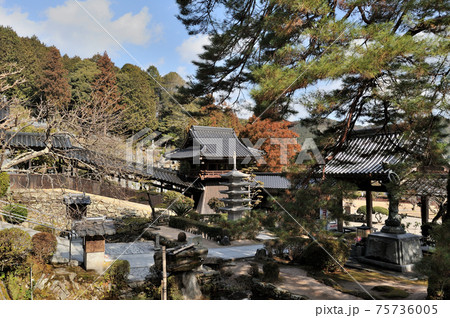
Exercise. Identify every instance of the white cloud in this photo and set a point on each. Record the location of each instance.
(181, 70)
(192, 47)
(73, 31)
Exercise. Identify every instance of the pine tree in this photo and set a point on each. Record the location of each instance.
(53, 84)
(390, 56)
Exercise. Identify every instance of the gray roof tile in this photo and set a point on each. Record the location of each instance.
(213, 143)
(368, 154)
(93, 226)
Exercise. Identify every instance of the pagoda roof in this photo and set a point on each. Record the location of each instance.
(213, 143)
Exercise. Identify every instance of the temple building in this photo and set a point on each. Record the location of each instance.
(206, 154)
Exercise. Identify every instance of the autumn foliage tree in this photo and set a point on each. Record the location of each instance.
(279, 142)
(219, 116)
(105, 108)
(53, 84)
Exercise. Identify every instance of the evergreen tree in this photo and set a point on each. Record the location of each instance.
(53, 84)
(138, 98)
(81, 80)
(390, 56)
(25, 54)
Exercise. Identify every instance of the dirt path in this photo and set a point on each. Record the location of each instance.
(369, 279)
(296, 281)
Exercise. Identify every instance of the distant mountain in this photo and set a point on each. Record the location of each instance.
(305, 130)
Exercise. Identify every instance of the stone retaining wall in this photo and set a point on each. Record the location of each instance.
(51, 209)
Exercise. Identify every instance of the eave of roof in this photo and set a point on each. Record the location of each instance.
(213, 143)
(367, 154)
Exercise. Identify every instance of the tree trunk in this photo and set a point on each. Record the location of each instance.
(151, 206)
(447, 215)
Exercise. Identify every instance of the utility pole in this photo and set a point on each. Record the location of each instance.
(164, 280)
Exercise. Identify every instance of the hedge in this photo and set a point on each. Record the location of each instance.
(196, 227)
(18, 214)
(376, 209)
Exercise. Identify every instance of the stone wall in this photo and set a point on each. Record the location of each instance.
(47, 206)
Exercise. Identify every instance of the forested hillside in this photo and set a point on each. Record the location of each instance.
(94, 85)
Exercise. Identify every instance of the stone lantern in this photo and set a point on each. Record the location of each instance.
(93, 230)
(76, 205)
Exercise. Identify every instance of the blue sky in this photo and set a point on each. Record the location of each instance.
(147, 29)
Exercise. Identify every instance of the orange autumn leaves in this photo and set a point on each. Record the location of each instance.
(280, 143)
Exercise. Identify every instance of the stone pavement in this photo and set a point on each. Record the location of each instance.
(140, 254)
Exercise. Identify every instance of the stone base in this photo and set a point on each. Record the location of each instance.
(399, 268)
(94, 261)
(234, 216)
(393, 251)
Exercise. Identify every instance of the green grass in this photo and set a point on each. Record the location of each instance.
(369, 276)
(389, 292)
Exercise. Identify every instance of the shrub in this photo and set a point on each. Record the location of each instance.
(117, 273)
(293, 246)
(42, 228)
(4, 183)
(271, 271)
(15, 245)
(437, 265)
(44, 246)
(18, 214)
(254, 270)
(246, 228)
(178, 203)
(215, 204)
(378, 211)
(315, 256)
(197, 227)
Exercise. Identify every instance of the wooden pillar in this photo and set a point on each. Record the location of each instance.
(341, 219)
(369, 208)
(425, 208)
(164, 280)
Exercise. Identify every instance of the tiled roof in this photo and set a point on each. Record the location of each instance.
(368, 152)
(433, 185)
(159, 174)
(94, 226)
(273, 180)
(76, 198)
(213, 142)
(37, 140)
